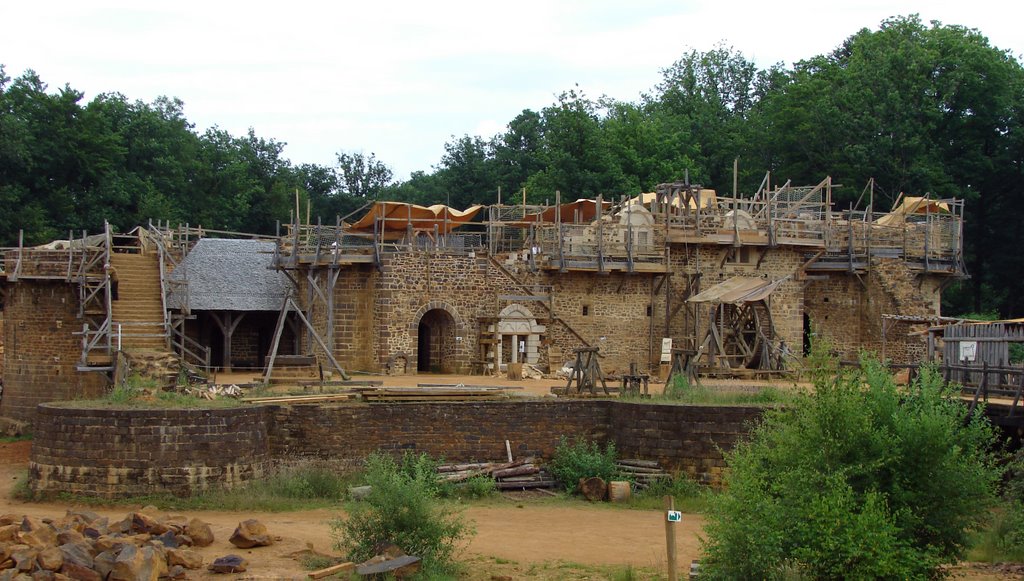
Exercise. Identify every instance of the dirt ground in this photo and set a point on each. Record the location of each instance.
(511, 535)
(516, 537)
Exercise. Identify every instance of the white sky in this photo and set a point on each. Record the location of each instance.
(399, 79)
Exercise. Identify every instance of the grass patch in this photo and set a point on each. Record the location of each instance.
(690, 496)
(679, 390)
(301, 486)
(1002, 540)
(20, 490)
(138, 392)
(13, 439)
(571, 570)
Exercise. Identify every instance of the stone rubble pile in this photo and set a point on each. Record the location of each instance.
(87, 547)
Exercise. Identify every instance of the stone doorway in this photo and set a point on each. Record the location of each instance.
(435, 343)
(519, 336)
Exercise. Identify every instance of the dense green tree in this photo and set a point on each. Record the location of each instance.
(860, 479)
(517, 151)
(468, 172)
(575, 154)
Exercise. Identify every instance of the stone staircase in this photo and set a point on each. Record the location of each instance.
(139, 305)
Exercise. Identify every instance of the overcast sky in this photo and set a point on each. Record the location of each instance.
(398, 79)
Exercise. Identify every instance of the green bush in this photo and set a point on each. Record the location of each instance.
(582, 459)
(402, 508)
(478, 487)
(859, 479)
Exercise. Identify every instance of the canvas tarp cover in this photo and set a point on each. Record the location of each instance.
(582, 211)
(708, 199)
(912, 205)
(397, 216)
(737, 290)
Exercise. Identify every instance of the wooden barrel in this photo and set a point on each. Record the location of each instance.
(515, 371)
(618, 490)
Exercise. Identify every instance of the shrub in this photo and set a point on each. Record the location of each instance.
(582, 459)
(478, 487)
(402, 508)
(856, 480)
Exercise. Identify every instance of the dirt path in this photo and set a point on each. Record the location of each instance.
(510, 530)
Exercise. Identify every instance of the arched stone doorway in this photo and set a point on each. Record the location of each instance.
(519, 336)
(435, 342)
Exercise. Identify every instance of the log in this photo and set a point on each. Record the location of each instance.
(639, 470)
(463, 467)
(638, 463)
(332, 570)
(503, 485)
(486, 471)
(517, 471)
(593, 488)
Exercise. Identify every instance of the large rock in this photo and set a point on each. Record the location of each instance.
(36, 533)
(135, 564)
(228, 564)
(80, 573)
(251, 533)
(50, 559)
(199, 532)
(144, 523)
(128, 565)
(167, 539)
(80, 553)
(104, 563)
(112, 543)
(9, 532)
(24, 559)
(66, 536)
(177, 573)
(184, 557)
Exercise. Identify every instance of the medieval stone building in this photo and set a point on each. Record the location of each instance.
(737, 283)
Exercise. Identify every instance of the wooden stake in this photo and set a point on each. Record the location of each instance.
(670, 538)
(508, 450)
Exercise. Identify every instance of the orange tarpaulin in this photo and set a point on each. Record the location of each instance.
(583, 210)
(398, 216)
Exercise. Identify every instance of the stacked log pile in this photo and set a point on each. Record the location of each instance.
(520, 474)
(641, 472)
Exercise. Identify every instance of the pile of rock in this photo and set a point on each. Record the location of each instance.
(85, 546)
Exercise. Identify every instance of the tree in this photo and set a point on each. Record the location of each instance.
(468, 172)
(517, 151)
(575, 154)
(363, 176)
(859, 480)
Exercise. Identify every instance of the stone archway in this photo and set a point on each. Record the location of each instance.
(518, 336)
(438, 331)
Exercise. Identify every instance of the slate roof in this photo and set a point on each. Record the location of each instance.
(231, 275)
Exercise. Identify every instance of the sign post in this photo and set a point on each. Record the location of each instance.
(672, 516)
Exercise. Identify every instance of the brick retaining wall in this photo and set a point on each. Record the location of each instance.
(109, 453)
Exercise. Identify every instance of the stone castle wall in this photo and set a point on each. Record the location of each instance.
(111, 453)
(40, 352)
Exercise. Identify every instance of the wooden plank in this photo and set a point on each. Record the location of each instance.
(333, 569)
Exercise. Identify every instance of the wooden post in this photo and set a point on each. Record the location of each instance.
(670, 539)
(600, 233)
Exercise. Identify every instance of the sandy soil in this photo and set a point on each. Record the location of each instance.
(511, 533)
